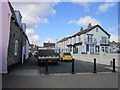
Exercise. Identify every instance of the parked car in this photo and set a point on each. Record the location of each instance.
(66, 57)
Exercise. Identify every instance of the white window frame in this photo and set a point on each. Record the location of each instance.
(79, 39)
(96, 29)
(103, 39)
(74, 39)
(16, 48)
(106, 49)
(70, 40)
(103, 49)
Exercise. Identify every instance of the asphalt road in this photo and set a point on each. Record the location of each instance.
(30, 68)
(30, 75)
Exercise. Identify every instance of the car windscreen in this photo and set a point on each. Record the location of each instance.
(47, 53)
(67, 54)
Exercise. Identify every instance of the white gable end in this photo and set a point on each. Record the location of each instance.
(98, 34)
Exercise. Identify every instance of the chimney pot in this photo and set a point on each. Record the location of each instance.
(81, 29)
(89, 25)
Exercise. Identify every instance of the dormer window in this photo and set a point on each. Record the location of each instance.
(18, 17)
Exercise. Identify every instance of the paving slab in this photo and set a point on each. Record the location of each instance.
(84, 80)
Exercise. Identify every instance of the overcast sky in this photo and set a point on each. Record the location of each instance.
(52, 21)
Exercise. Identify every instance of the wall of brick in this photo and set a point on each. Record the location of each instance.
(15, 34)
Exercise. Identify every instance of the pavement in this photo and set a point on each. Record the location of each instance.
(84, 80)
(30, 75)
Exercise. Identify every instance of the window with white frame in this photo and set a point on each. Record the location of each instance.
(102, 49)
(70, 40)
(92, 49)
(106, 49)
(96, 29)
(74, 39)
(79, 38)
(70, 48)
(16, 47)
(103, 40)
(66, 42)
(75, 49)
(80, 48)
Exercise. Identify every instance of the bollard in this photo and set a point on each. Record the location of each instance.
(113, 65)
(72, 67)
(94, 66)
(46, 67)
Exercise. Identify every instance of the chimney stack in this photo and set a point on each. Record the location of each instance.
(89, 25)
(81, 29)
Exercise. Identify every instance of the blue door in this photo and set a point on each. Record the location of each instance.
(87, 48)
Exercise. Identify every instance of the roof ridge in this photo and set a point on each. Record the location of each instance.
(82, 32)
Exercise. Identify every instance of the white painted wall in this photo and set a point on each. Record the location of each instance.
(5, 22)
(97, 35)
(0, 39)
(102, 58)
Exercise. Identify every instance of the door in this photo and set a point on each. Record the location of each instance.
(92, 49)
(96, 48)
(87, 48)
(23, 52)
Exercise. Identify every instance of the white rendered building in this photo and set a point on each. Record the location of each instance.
(92, 40)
